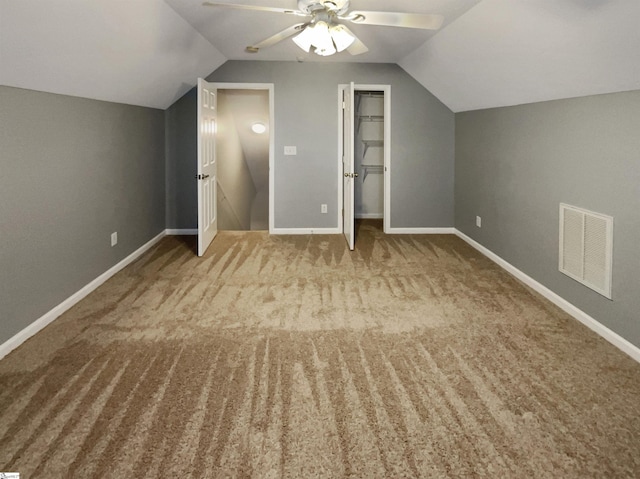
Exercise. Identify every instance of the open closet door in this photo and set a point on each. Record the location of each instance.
(348, 212)
(207, 168)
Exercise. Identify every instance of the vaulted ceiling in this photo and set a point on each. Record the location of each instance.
(488, 52)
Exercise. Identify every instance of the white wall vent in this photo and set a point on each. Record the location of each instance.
(586, 247)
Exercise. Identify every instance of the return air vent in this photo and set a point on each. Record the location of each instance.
(586, 246)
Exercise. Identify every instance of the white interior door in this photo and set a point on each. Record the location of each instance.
(207, 167)
(348, 221)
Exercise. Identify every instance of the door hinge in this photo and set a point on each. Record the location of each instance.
(344, 105)
(343, 212)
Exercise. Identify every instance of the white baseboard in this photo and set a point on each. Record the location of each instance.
(611, 336)
(183, 232)
(369, 216)
(40, 323)
(305, 231)
(421, 231)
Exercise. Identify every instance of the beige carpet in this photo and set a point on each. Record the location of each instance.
(413, 356)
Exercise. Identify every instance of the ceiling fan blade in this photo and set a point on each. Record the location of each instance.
(396, 19)
(357, 47)
(278, 37)
(256, 8)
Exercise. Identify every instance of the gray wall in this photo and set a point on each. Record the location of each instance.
(235, 185)
(181, 162)
(306, 115)
(72, 171)
(515, 165)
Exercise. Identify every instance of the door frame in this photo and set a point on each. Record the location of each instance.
(271, 89)
(386, 89)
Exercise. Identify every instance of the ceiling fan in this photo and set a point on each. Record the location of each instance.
(324, 32)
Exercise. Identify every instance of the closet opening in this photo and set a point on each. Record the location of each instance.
(365, 158)
(368, 149)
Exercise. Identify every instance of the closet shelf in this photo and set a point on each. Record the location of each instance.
(372, 94)
(369, 118)
(371, 143)
(376, 169)
(361, 95)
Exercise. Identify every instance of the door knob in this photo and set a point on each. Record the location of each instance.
(355, 174)
(346, 175)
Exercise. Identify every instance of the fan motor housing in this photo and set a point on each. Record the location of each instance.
(337, 6)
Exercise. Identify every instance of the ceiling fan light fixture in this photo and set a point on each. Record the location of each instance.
(325, 40)
(305, 38)
(341, 37)
(326, 52)
(321, 37)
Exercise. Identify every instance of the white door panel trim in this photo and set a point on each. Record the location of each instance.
(206, 177)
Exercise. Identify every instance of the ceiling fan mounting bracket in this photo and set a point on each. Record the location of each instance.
(335, 6)
(323, 16)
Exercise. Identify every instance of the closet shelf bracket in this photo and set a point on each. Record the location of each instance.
(371, 143)
(376, 169)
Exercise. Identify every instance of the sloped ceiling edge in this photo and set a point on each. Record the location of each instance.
(139, 53)
(503, 53)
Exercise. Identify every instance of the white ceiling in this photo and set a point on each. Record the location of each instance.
(508, 52)
(489, 52)
(138, 52)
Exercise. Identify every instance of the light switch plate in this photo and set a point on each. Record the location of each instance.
(290, 150)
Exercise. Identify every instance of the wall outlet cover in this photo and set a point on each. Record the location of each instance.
(478, 222)
(290, 150)
(323, 208)
(114, 238)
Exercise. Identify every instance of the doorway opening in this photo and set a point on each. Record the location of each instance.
(368, 153)
(365, 157)
(242, 150)
(243, 159)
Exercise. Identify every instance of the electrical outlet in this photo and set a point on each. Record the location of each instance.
(290, 150)
(114, 238)
(323, 208)
(478, 222)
